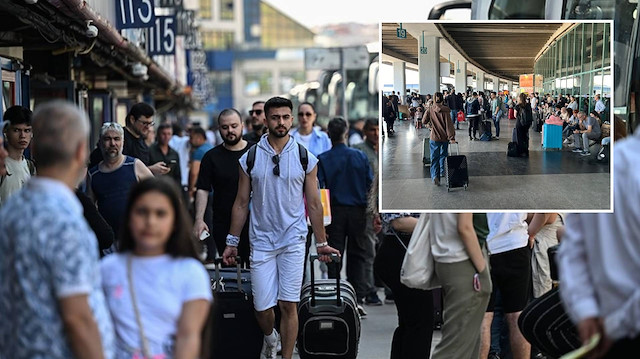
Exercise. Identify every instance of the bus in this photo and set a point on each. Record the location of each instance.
(358, 99)
(624, 13)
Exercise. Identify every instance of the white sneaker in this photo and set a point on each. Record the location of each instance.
(270, 350)
(566, 141)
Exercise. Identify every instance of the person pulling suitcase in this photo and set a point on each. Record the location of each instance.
(278, 227)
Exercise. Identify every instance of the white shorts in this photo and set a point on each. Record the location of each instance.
(277, 275)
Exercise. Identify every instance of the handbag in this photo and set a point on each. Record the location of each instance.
(418, 266)
(143, 339)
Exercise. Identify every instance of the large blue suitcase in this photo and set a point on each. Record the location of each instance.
(551, 136)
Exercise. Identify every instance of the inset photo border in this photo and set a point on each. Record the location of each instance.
(566, 63)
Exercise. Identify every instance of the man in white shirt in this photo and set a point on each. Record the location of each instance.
(17, 131)
(510, 262)
(599, 262)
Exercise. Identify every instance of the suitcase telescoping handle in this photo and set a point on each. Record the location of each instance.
(457, 148)
(334, 258)
(218, 261)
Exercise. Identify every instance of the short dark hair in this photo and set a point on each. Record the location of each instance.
(18, 115)
(177, 129)
(181, 242)
(199, 131)
(257, 103)
(474, 93)
(336, 128)
(164, 126)
(371, 122)
(277, 102)
(227, 112)
(140, 109)
(569, 111)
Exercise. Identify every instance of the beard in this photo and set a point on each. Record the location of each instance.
(232, 142)
(274, 132)
(257, 127)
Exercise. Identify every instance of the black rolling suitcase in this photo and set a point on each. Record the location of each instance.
(456, 171)
(234, 330)
(329, 320)
(512, 147)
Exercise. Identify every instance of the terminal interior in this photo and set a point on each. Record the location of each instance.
(566, 58)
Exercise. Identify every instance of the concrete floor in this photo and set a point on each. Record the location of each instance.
(555, 179)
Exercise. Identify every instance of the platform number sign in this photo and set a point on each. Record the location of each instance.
(401, 33)
(162, 36)
(423, 50)
(132, 14)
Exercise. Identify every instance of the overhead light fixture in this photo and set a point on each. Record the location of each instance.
(91, 31)
(31, 2)
(138, 69)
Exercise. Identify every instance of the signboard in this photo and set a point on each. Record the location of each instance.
(162, 36)
(169, 3)
(131, 14)
(197, 77)
(423, 50)
(526, 81)
(355, 58)
(401, 33)
(322, 59)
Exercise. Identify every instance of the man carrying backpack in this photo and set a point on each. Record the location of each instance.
(276, 173)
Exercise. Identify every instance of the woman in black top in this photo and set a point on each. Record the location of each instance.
(524, 120)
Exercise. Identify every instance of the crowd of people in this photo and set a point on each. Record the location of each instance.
(102, 249)
(115, 229)
(443, 112)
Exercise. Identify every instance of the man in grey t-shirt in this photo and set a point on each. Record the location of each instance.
(589, 130)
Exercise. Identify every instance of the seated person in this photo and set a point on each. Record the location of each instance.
(589, 129)
(570, 125)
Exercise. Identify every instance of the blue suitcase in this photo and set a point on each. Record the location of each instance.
(551, 137)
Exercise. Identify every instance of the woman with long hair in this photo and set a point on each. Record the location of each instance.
(157, 289)
(524, 119)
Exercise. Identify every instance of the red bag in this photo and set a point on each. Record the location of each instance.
(512, 115)
(460, 116)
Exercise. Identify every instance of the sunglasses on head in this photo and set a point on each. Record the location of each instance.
(276, 169)
(257, 112)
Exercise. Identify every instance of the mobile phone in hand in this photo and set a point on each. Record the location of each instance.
(204, 235)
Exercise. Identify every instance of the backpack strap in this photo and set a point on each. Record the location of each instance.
(32, 167)
(251, 159)
(304, 157)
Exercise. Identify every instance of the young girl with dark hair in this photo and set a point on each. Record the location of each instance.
(157, 290)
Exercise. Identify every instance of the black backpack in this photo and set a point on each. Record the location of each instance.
(251, 158)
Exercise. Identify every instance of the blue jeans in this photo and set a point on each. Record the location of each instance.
(454, 118)
(438, 154)
(496, 122)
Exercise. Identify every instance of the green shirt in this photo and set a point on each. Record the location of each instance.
(481, 226)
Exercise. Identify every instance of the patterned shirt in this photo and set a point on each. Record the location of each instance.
(387, 218)
(48, 253)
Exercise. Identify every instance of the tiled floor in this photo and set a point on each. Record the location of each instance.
(558, 180)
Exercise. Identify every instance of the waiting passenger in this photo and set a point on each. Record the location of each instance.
(589, 129)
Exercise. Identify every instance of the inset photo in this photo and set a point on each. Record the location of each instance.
(496, 115)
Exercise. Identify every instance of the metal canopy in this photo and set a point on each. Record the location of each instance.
(506, 50)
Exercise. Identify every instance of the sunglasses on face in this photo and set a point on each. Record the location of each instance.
(308, 114)
(276, 169)
(257, 112)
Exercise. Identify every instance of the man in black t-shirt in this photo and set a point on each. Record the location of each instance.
(219, 173)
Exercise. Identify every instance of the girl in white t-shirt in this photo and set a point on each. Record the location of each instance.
(157, 290)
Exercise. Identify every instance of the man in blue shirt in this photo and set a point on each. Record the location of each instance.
(198, 139)
(347, 174)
